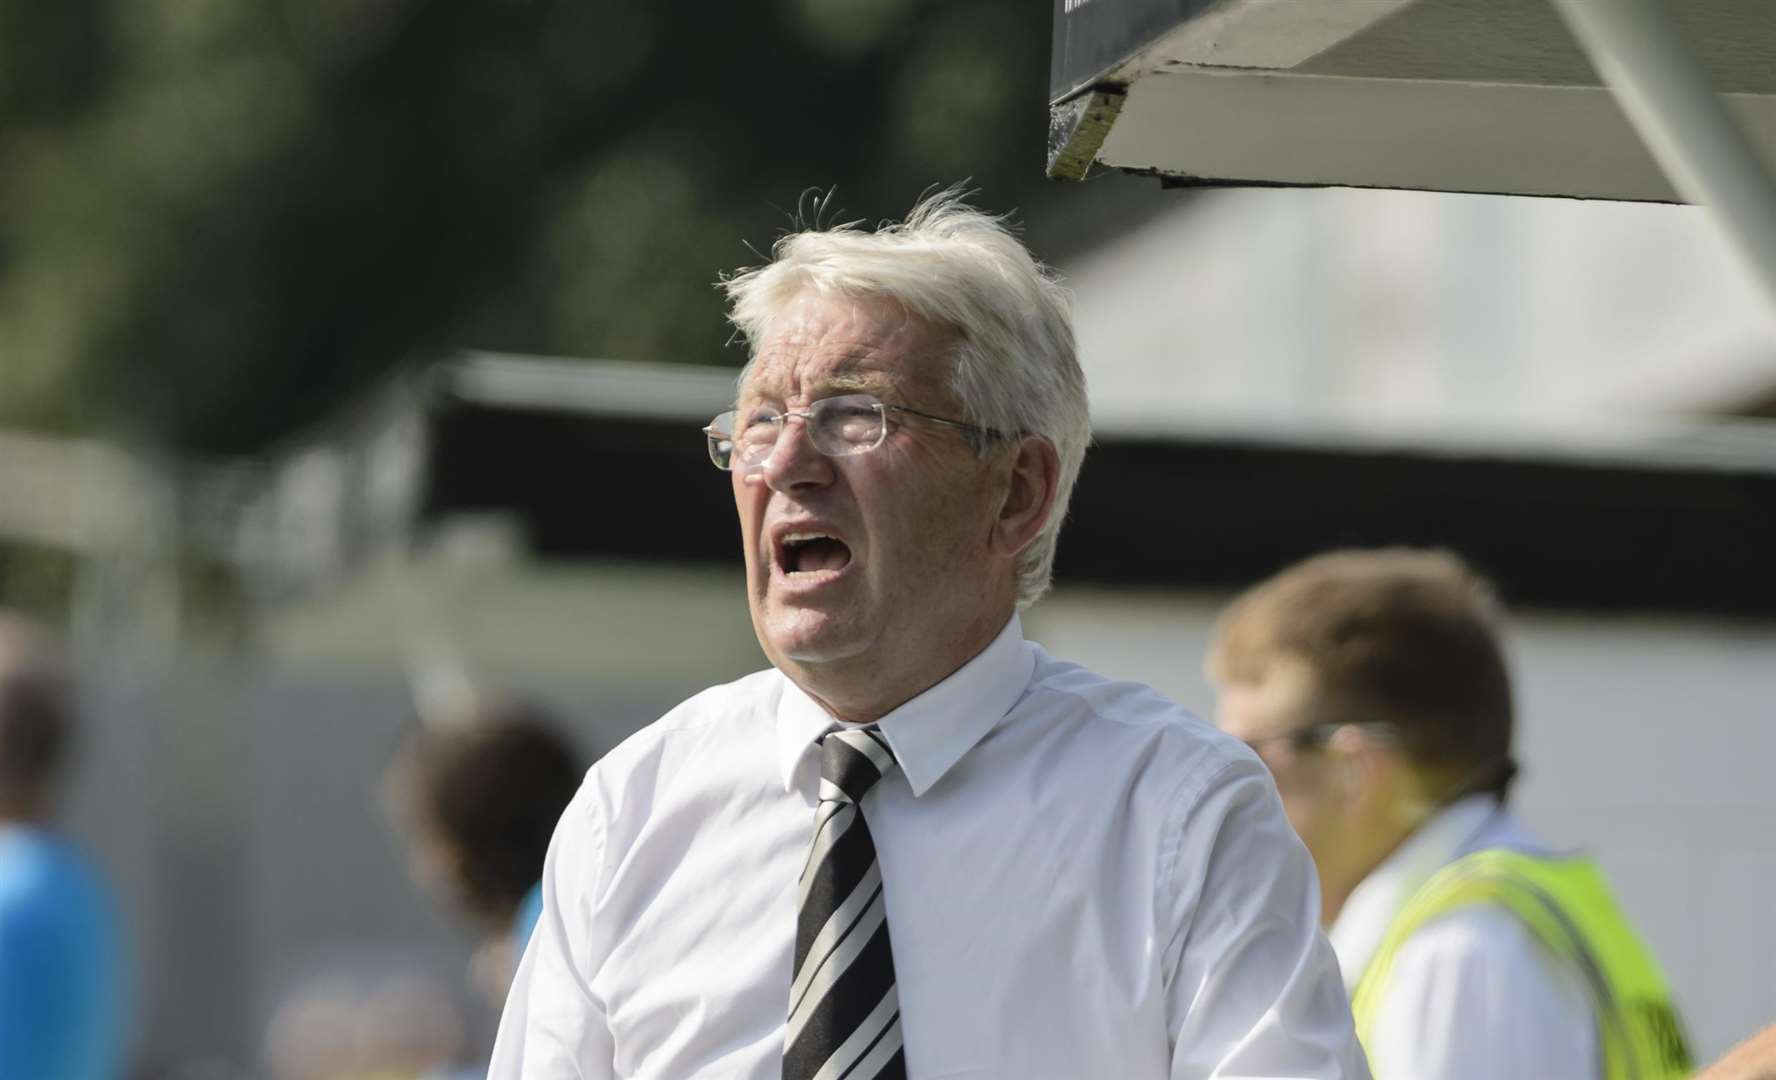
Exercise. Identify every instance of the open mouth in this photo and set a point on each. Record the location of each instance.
(812, 553)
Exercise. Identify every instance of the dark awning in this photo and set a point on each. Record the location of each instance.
(1673, 522)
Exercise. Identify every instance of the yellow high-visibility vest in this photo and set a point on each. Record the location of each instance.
(1567, 906)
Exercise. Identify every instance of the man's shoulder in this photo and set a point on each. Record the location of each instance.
(731, 709)
(1474, 984)
(1473, 932)
(1134, 718)
(1481, 929)
(46, 877)
(1479, 945)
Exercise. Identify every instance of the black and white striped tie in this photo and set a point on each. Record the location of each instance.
(844, 1014)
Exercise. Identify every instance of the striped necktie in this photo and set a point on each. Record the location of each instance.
(844, 1014)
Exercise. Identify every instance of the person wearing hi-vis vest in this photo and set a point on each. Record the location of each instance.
(1374, 685)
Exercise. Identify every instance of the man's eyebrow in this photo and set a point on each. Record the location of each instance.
(850, 374)
(857, 379)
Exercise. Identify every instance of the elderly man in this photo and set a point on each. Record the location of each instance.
(918, 845)
(1374, 685)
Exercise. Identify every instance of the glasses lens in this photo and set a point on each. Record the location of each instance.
(850, 424)
(755, 432)
(721, 440)
(1312, 737)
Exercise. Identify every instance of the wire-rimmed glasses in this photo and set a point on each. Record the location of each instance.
(1316, 736)
(1311, 737)
(841, 426)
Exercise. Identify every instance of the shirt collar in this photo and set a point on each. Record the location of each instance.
(1363, 921)
(931, 732)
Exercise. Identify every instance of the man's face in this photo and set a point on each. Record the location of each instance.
(901, 569)
(1265, 713)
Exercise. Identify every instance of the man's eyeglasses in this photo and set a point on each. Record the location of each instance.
(1316, 736)
(840, 426)
(1312, 737)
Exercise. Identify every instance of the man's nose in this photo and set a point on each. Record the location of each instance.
(793, 461)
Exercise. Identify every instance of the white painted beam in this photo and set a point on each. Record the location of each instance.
(1235, 125)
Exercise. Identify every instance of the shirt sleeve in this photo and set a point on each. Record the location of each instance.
(1254, 989)
(554, 1027)
(1472, 995)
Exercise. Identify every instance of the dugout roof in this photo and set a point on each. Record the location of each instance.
(1451, 95)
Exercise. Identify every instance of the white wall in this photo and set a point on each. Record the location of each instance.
(1377, 310)
(1647, 741)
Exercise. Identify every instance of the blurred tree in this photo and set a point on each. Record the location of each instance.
(38, 581)
(218, 217)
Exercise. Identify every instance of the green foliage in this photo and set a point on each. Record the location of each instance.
(37, 581)
(220, 217)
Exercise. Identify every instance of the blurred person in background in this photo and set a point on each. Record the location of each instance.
(62, 970)
(382, 1026)
(478, 793)
(917, 844)
(1375, 686)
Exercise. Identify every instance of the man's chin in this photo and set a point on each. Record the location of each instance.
(811, 638)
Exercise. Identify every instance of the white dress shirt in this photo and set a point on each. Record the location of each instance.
(1473, 995)
(1082, 881)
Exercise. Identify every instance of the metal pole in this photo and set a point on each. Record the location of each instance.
(1665, 93)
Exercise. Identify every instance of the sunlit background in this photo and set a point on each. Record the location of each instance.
(352, 355)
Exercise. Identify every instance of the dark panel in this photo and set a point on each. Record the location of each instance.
(586, 486)
(1189, 514)
(1093, 36)
(1559, 535)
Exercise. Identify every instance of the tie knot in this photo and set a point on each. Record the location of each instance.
(851, 761)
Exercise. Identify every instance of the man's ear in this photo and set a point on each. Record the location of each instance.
(1357, 760)
(1378, 774)
(1029, 495)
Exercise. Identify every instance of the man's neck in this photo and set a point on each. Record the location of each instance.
(1337, 894)
(863, 689)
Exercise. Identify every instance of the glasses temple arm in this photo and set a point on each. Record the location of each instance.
(947, 422)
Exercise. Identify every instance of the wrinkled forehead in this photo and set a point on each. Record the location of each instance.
(822, 344)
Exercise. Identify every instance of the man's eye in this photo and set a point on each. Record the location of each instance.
(757, 419)
(852, 415)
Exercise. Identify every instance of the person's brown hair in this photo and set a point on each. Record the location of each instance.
(36, 713)
(1403, 636)
(493, 787)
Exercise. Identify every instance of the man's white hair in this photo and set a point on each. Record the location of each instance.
(1015, 366)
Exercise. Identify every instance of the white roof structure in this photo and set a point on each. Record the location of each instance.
(1447, 95)
(1354, 312)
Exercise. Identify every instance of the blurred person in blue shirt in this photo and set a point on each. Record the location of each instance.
(61, 964)
(479, 793)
